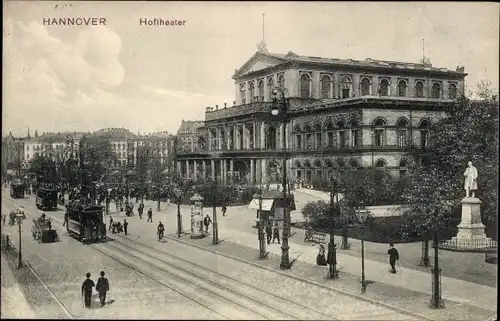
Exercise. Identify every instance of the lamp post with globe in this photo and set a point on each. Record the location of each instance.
(362, 215)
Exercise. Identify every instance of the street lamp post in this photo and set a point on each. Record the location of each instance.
(20, 256)
(362, 215)
(436, 300)
(178, 195)
(332, 251)
(279, 108)
(262, 242)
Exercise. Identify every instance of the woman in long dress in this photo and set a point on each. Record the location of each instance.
(320, 259)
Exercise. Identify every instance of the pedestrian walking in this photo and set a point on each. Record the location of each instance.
(4, 218)
(224, 209)
(65, 219)
(110, 223)
(207, 221)
(125, 226)
(140, 209)
(150, 216)
(276, 235)
(269, 233)
(161, 231)
(102, 287)
(393, 257)
(87, 286)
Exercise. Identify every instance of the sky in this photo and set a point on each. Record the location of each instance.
(147, 79)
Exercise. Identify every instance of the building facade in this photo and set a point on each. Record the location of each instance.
(341, 113)
(12, 153)
(53, 145)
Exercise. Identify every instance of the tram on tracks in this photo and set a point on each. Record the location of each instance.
(46, 198)
(85, 221)
(17, 189)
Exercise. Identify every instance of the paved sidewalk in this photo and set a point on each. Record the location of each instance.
(456, 290)
(14, 304)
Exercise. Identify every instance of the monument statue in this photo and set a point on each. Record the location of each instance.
(470, 184)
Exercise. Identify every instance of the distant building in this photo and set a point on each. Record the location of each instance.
(62, 145)
(12, 154)
(342, 114)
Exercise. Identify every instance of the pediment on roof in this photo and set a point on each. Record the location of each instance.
(258, 61)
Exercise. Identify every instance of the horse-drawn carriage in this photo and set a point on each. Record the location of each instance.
(42, 230)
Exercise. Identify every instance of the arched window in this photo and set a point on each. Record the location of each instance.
(346, 86)
(308, 134)
(355, 134)
(270, 86)
(402, 168)
(343, 137)
(419, 89)
(330, 131)
(424, 131)
(379, 132)
(298, 137)
(243, 94)
(365, 87)
(307, 167)
(452, 91)
(384, 87)
(380, 164)
(271, 138)
(436, 90)
(260, 86)
(329, 167)
(305, 83)
(251, 89)
(326, 86)
(317, 136)
(402, 132)
(319, 168)
(281, 81)
(402, 88)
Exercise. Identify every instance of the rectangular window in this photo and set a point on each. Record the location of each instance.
(355, 137)
(402, 138)
(308, 141)
(343, 139)
(298, 141)
(318, 140)
(379, 137)
(329, 136)
(345, 92)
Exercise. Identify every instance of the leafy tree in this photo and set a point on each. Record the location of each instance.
(470, 133)
(316, 214)
(43, 168)
(97, 157)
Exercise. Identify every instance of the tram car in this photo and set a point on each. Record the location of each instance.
(46, 198)
(17, 189)
(85, 222)
(42, 230)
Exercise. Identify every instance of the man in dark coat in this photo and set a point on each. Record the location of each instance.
(125, 226)
(150, 216)
(393, 257)
(224, 209)
(276, 235)
(102, 287)
(269, 233)
(65, 219)
(161, 231)
(110, 223)
(206, 221)
(87, 286)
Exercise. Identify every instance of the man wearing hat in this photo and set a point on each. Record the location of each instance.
(87, 286)
(102, 287)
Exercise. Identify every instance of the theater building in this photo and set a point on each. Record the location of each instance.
(342, 113)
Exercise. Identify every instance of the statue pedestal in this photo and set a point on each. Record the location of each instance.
(471, 235)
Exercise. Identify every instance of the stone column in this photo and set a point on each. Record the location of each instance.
(252, 164)
(187, 168)
(263, 169)
(179, 168)
(262, 136)
(254, 135)
(217, 134)
(209, 139)
(195, 168)
(212, 165)
(235, 137)
(281, 138)
(221, 162)
(228, 137)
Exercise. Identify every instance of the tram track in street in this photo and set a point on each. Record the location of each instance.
(63, 307)
(235, 291)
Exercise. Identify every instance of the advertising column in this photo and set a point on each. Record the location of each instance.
(196, 216)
